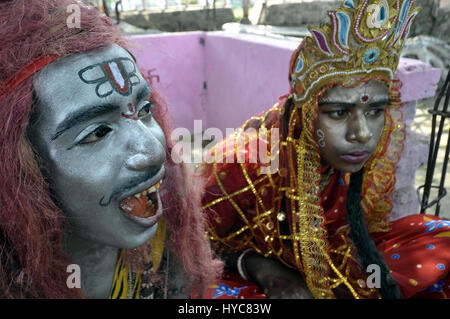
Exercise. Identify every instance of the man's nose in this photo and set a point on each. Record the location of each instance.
(144, 149)
(359, 130)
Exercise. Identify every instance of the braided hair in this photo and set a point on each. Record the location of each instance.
(359, 234)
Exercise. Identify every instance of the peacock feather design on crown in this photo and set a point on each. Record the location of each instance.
(364, 36)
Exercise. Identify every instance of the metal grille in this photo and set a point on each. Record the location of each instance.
(438, 121)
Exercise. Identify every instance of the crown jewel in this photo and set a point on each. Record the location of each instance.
(364, 36)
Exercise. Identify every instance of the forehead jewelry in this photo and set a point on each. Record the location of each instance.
(364, 98)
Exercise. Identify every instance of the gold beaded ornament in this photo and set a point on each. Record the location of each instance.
(365, 37)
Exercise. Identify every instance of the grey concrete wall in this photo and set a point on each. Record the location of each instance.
(431, 22)
(178, 21)
(297, 14)
(302, 13)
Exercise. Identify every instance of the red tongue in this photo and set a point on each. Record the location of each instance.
(134, 206)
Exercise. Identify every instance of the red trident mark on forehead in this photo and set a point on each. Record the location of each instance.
(117, 75)
(131, 113)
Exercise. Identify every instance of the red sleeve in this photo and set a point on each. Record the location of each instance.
(234, 176)
(225, 201)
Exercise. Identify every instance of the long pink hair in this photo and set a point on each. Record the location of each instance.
(32, 261)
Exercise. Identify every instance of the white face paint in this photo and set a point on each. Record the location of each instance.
(100, 145)
(320, 138)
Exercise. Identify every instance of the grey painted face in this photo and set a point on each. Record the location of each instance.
(349, 124)
(99, 143)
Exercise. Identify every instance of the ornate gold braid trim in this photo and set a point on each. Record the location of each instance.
(311, 245)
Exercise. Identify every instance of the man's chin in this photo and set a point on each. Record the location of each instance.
(127, 239)
(136, 240)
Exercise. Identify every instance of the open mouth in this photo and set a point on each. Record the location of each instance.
(144, 204)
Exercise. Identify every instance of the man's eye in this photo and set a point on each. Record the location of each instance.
(145, 110)
(97, 134)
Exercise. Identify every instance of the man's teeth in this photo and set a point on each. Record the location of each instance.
(150, 190)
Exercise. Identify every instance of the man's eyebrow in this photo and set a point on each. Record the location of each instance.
(143, 92)
(90, 112)
(83, 115)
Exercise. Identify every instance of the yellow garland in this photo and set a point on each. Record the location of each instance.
(120, 286)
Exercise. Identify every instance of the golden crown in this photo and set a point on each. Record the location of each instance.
(363, 38)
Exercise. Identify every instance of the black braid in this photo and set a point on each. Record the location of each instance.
(359, 234)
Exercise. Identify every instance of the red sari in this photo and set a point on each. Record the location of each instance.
(416, 249)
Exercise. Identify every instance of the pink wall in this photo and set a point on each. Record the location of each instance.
(179, 59)
(245, 74)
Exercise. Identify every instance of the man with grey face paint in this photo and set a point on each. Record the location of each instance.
(99, 151)
(85, 176)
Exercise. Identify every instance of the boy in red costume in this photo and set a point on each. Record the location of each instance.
(319, 225)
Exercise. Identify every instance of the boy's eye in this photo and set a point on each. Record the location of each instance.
(375, 112)
(145, 110)
(96, 135)
(337, 113)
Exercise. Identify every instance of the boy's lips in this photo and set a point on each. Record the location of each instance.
(356, 157)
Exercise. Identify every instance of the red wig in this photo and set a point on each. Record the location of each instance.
(32, 261)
